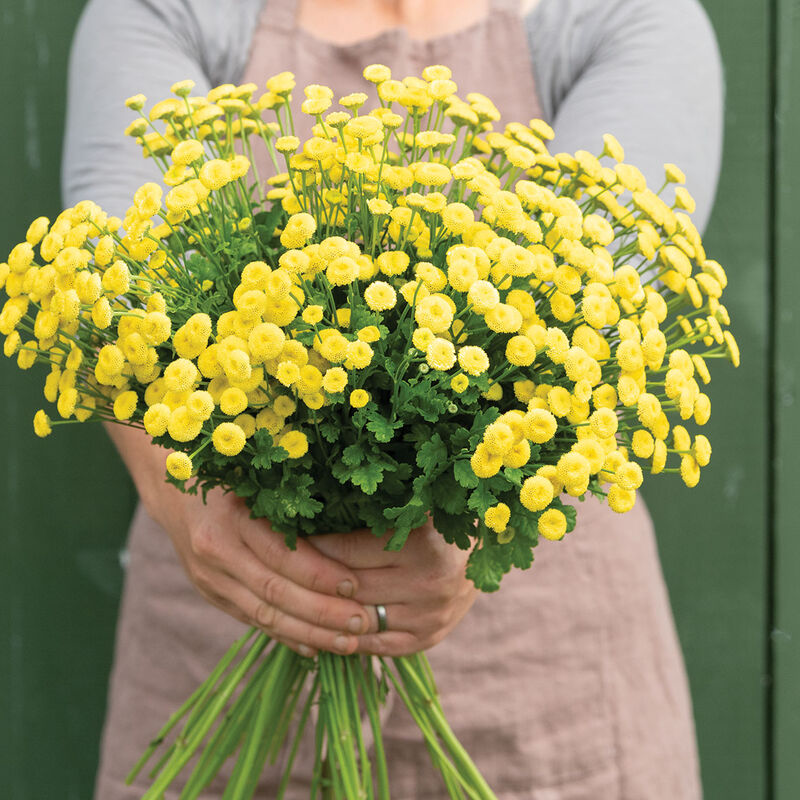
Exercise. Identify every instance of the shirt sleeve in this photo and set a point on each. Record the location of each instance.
(126, 47)
(647, 71)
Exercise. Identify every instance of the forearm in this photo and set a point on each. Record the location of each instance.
(145, 463)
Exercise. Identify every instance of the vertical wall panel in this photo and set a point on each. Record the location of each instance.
(65, 501)
(786, 468)
(713, 539)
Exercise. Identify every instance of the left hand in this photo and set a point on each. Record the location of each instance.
(423, 587)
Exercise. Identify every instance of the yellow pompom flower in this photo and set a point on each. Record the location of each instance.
(457, 217)
(497, 517)
(484, 463)
(503, 318)
(156, 419)
(498, 438)
(179, 465)
(539, 425)
(233, 401)
(629, 475)
(536, 493)
(180, 375)
(369, 334)
(620, 499)
(459, 383)
(37, 230)
(518, 456)
(334, 380)
(312, 314)
(332, 345)
(342, 270)
(359, 355)
(41, 424)
(559, 401)
(573, 469)
(182, 426)
(284, 406)
(440, 354)
(648, 408)
(266, 341)
(215, 174)
(200, 405)
(659, 457)
(701, 449)
(604, 422)
(642, 444)
(380, 296)
(187, 152)
(520, 351)
(295, 443)
(228, 439)
(552, 524)
(483, 296)
(473, 360)
(125, 404)
(690, 471)
(359, 398)
(377, 73)
(433, 312)
(393, 262)
(287, 372)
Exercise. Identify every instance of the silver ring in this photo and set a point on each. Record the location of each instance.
(382, 620)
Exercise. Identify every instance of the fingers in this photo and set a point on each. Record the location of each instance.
(305, 566)
(280, 625)
(276, 591)
(358, 549)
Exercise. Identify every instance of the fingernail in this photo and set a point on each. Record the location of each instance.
(345, 589)
(342, 643)
(305, 651)
(355, 625)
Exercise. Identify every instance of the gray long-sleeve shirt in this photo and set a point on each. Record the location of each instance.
(647, 71)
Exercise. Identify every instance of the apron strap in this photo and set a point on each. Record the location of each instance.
(280, 15)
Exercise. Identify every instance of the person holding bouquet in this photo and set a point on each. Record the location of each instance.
(567, 684)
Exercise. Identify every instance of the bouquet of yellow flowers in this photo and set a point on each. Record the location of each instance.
(417, 317)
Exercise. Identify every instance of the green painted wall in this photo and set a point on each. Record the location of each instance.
(59, 543)
(60, 577)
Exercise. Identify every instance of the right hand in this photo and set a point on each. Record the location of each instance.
(242, 566)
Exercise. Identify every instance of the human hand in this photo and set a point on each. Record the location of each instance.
(299, 597)
(423, 586)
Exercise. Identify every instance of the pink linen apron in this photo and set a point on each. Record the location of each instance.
(568, 683)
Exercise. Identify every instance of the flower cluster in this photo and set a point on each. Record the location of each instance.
(416, 315)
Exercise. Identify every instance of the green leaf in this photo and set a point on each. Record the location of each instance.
(571, 513)
(367, 477)
(481, 499)
(353, 455)
(514, 476)
(330, 431)
(456, 528)
(462, 469)
(449, 495)
(432, 456)
(200, 267)
(380, 427)
(412, 515)
(487, 564)
(266, 221)
(482, 419)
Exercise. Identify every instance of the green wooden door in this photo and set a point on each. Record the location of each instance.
(729, 548)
